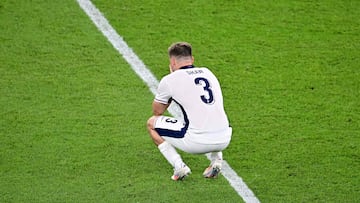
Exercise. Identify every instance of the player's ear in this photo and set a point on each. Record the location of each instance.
(192, 59)
(172, 62)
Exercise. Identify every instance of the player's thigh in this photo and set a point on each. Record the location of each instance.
(169, 127)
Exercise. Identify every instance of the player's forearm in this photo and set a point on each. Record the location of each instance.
(159, 108)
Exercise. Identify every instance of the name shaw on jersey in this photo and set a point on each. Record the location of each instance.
(192, 72)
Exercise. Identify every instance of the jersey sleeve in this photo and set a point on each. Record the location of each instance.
(163, 94)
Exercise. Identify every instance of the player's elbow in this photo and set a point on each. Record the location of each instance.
(159, 108)
(157, 112)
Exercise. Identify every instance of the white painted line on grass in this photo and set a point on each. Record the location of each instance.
(140, 69)
(119, 44)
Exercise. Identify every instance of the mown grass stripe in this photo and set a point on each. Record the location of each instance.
(144, 73)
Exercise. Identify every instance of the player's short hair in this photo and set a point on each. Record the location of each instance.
(180, 50)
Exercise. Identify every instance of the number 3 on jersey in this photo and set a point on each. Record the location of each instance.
(209, 98)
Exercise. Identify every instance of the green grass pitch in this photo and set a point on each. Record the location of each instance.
(73, 113)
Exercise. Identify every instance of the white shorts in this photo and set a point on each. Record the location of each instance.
(176, 133)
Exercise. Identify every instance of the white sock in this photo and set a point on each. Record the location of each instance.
(171, 155)
(216, 156)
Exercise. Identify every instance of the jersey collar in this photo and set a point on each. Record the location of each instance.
(187, 67)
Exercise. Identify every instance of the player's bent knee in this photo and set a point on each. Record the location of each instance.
(151, 121)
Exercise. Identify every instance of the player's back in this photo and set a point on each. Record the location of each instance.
(198, 92)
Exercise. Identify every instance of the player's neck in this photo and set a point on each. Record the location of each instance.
(184, 64)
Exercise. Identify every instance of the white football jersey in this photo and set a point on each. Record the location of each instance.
(199, 95)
